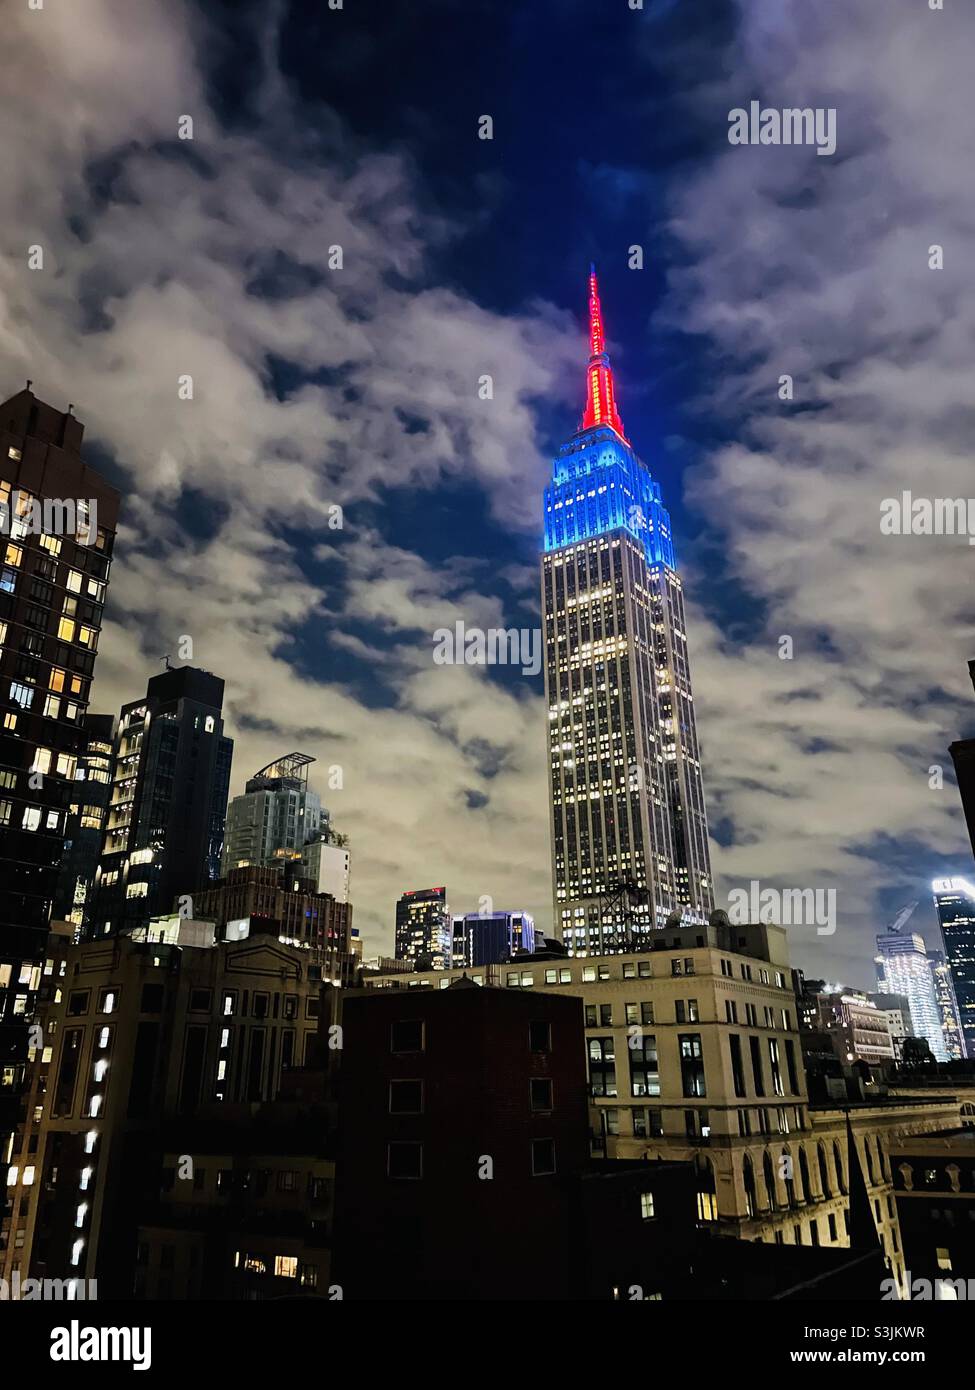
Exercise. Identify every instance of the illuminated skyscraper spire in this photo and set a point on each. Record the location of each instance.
(600, 391)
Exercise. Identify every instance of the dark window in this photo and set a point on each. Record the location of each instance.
(79, 1001)
(406, 1036)
(406, 1097)
(755, 1047)
(261, 1002)
(200, 1000)
(404, 1160)
(540, 1037)
(152, 999)
(543, 1157)
(737, 1065)
(541, 1093)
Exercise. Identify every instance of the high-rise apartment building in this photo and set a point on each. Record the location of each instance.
(85, 827)
(903, 967)
(136, 1033)
(57, 528)
(954, 900)
(170, 778)
(627, 800)
(276, 811)
(423, 927)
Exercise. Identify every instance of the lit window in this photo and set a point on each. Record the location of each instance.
(90, 1138)
(76, 1250)
(29, 1177)
(286, 1266)
(85, 1178)
(79, 1216)
(66, 629)
(646, 1205)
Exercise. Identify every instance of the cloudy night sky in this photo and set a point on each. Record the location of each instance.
(313, 387)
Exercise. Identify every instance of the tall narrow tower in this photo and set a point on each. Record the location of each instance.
(629, 830)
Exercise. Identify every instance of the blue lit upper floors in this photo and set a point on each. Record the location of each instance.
(600, 485)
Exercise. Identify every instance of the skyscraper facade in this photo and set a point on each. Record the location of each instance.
(57, 528)
(423, 927)
(85, 828)
(903, 967)
(491, 937)
(954, 901)
(626, 792)
(276, 811)
(168, 804)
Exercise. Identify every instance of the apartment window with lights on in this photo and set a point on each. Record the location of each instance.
(646, 1206)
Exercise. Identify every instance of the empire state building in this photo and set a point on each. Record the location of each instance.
(628, 824)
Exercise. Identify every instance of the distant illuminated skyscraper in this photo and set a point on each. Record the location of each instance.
(627, 800)
(424, 927)
(954, 899)
(903, 967)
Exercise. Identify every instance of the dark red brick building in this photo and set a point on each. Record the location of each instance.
(464, 1128)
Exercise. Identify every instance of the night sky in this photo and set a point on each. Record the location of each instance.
(315, 387)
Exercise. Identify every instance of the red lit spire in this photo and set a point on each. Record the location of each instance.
(600, 391)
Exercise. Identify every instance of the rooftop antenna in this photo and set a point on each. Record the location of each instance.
(168, 666)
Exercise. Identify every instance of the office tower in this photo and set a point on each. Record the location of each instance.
(491, 937)
(903, 967)
(423, 927)
(135, 1034)
(171, 773)
(963, 756)
(57, 529)
(954, 900)
(85, 826)
(627, 802)
(276, 811)
(944, 993)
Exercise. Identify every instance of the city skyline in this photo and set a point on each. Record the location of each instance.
(818, 767)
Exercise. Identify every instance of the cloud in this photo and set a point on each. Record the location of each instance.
(817, 767)
(214, 258)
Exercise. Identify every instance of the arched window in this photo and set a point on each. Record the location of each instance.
(824, 1170)
(707, 1202)
(769, 1174)
(748, 1176)
(805, 1194)
(838, 1161)
(785, 1168)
